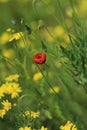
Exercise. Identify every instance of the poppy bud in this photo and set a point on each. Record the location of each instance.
(39, 58)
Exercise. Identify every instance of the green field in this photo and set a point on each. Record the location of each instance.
(43, 65)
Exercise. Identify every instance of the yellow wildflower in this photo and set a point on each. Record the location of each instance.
(37, 76)
(1, 92)
(15, 90)
(7, 88)
(2, 113)
(25, 128)
(58, 31)
(68, 126)
(35, 114)
(4, 38)
(16, 36)
(21, 128)
(11, 88)
(82, 8)
(8, 53)
(31, 114)
(12, 77)
(10, 30)
(14, 104)
(43, 128)
(6, 105)
(56, 89)
(27, 113)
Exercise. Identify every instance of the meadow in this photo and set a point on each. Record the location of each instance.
(43, 65)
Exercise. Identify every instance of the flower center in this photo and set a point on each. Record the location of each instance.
(39, 56)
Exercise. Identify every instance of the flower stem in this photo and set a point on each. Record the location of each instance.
(50, 86)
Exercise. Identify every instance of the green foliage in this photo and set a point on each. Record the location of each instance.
(59, 94)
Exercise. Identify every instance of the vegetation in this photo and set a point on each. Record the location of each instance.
(43, 65)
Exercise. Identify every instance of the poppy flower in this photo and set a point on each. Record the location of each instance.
(40, 58)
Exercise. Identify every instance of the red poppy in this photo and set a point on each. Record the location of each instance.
(39, 58)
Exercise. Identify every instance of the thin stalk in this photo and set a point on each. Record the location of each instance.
(24, 40)
(50, 33)
(72, 6)
(8, 60)
(62, 16)
(49, 84)
(34, 8)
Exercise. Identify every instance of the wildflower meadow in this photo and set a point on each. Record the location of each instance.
(43, 65)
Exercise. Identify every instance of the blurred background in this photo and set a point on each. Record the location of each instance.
(31, 13)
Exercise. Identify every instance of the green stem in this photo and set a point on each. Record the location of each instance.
(50, 33)
(61, 15)
(25, 42)
(8, 60)
(34, 8)
(50, 86)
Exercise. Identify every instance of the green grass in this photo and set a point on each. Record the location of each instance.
(65, 66)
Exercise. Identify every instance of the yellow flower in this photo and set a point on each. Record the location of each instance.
(68, 126)
(14, 104)
(2, 113)
(12, 88)
(37, 76)
(7, 88)
(8, 53)
(21, 128)
(1, 92)
(35, 114)
(58, 31)
(43, 128)
(16, 36)
(27, 113)
(82, 8)
(4, 38)
(56, 89)
(15, 90)
(13, 77)
(25, 128)
(31, 114)
(6, 105)
(10, 30)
